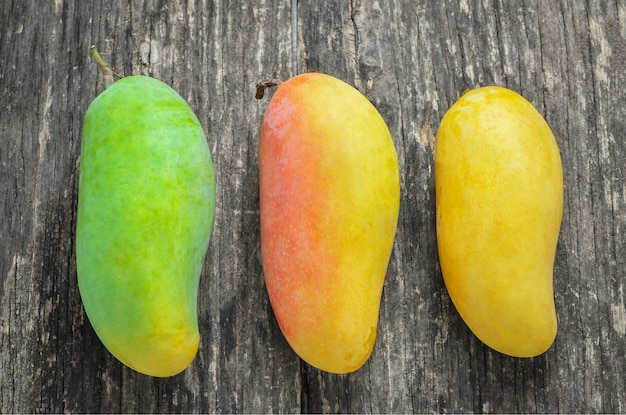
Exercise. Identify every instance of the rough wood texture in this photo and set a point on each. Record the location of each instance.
(412, 59)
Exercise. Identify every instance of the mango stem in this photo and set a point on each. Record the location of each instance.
(104, 67)
(260, 88)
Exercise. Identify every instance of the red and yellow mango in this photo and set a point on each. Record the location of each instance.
(329, 201)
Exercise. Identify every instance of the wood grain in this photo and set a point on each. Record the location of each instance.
(412, 59)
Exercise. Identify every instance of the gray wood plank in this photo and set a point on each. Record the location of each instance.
(412, 59)
(213, 54)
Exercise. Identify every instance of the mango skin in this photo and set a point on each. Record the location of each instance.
(329, 201)
(145, 215)
(499, 198)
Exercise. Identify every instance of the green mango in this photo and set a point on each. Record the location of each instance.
(146, 208)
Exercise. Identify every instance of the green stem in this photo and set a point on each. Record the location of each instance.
(104, 67)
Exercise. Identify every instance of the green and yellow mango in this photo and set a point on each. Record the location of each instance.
(145, 215)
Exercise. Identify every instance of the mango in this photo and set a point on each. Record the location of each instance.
(146, 208)
(499, 204)
(329, 188)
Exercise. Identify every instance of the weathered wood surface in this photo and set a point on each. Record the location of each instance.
(412, 59)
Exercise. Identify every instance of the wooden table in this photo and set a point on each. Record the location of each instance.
(412, 59)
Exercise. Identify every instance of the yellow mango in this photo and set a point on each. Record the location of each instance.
(499, 198)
